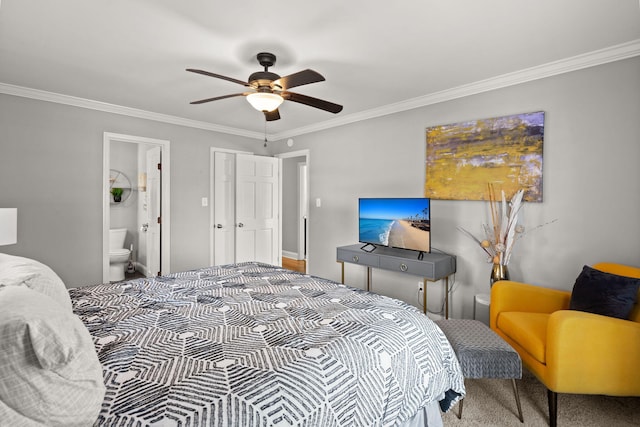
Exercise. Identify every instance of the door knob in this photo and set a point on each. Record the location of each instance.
(218, 225)
(240, 225)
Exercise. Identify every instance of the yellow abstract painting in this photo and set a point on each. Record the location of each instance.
(462, 158)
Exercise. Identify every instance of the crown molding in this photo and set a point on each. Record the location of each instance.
(58, 98)
(574, 63)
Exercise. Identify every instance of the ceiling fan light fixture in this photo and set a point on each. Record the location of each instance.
(265, 90)
(264, 101)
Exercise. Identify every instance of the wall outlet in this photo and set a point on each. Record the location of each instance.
(420, 286)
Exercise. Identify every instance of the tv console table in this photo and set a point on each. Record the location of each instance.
(432, 267)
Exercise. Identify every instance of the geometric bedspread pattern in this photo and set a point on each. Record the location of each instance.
(256, 345)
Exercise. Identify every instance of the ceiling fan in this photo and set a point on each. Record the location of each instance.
(268, 90)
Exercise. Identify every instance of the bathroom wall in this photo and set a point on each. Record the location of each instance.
(124, 158)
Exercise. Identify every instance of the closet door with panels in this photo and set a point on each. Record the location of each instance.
(246, 209)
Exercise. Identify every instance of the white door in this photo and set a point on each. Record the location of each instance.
(223, 208)
(257, 209)
(153, 211)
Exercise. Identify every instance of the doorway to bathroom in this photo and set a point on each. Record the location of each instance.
(136, 198)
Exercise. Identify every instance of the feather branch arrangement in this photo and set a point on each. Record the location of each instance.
(504, 231)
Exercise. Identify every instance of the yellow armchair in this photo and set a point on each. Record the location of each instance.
(569, 351)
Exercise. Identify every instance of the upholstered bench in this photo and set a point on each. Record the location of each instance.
(482, 353)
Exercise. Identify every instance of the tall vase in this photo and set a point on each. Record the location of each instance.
(498, 272)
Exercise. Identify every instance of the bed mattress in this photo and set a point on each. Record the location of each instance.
(256, 345)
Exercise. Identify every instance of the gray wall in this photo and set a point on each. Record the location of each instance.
(51, 166)
(591, 183)
(51, 170)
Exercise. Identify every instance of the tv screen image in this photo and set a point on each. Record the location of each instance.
(396, 222)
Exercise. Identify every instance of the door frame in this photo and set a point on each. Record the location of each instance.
(303, 207)
(306, 153)
(165, 234)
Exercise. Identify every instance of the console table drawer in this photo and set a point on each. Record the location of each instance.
(418, 268)
(357, 257)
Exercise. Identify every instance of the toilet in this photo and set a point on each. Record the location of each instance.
(118, 254)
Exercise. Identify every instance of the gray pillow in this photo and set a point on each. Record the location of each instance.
(16, 271)
(49, 369)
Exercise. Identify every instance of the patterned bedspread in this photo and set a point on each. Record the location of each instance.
(255, 345)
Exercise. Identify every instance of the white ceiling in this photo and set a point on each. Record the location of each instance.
(377, 56)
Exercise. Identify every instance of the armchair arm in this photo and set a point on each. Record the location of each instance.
(589, 353)
(515, 296)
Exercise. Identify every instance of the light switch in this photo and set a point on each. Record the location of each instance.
(318, 202)
(205, 202)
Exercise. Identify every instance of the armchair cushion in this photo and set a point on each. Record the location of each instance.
(527, 329)
(604, 293)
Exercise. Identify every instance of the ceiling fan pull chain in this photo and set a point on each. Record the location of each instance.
(265, 132)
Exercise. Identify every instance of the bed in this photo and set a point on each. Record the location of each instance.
(257, 345)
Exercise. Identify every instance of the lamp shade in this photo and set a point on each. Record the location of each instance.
(264, 101)
(8, 226)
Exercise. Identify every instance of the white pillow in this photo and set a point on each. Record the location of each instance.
(15, 271)
(49, 369)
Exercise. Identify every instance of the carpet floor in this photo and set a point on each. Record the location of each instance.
(490, 402)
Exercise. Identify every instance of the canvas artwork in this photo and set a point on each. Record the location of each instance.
(462, 158)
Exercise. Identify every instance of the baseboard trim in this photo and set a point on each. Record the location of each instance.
(292, 255)
(142, 269)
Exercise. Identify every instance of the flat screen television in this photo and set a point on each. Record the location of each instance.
(403, 223)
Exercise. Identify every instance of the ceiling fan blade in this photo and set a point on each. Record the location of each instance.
(202, 101)
(300, 78)
(272, 115)
(218, 76)
(312, 102)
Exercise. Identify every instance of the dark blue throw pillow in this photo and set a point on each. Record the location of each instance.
(604, 293)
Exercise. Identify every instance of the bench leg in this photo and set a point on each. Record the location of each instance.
(517, 395)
